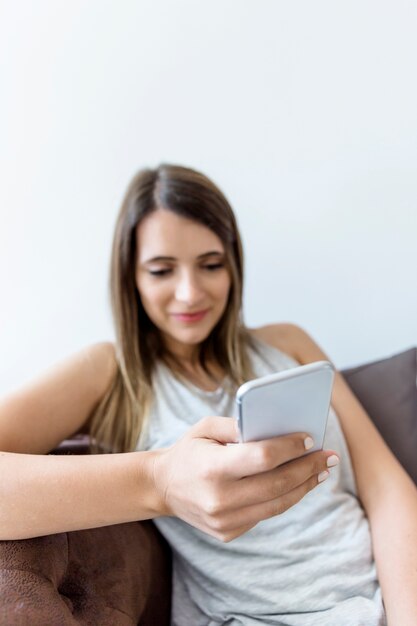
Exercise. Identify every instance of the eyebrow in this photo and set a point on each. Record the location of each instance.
(172, 258)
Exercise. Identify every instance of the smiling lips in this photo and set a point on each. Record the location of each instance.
(190, 317)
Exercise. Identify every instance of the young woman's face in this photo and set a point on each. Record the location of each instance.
(181, 271)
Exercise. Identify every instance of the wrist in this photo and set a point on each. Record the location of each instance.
(150, 481)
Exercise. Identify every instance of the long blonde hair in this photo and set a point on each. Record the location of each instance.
(117, 422)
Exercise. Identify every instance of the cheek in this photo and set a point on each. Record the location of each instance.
(156, 297)
(151, 294)
(223, 287)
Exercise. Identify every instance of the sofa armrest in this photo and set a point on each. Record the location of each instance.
(114, 575)
(118, 575)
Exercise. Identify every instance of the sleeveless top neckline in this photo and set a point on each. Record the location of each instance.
(222, 388)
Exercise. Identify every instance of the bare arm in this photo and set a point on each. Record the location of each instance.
(387, 493)
(42, 494)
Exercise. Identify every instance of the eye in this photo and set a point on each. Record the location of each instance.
(214, 266)
(159, 272)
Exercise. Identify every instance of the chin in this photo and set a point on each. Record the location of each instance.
(191, 336)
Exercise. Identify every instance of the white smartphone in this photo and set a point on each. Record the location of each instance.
(294, 400)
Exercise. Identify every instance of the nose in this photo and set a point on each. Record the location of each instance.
(188, 289)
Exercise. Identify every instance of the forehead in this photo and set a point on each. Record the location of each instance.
(165, 233)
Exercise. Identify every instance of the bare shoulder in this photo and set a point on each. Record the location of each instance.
(102, 360)
(57, 403)
(291, 339)
(95, 365)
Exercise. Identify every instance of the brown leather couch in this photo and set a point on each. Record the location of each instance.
(121, 575)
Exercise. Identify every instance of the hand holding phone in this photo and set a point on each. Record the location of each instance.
(294, 400)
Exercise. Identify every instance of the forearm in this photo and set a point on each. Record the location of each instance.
(394, 535)
(46, 494)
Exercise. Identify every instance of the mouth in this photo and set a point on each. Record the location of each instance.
(190, 317)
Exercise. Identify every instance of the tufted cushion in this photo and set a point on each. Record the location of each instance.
(108, 576)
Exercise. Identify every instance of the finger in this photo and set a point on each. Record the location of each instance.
(229, 535)
(249, 516)
(254, 457)
(275, 483)
(220, 429)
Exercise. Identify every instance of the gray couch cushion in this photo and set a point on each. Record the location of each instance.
(388, 392)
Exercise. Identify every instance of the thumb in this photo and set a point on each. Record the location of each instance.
(221, 429)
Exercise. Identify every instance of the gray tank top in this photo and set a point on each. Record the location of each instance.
(310, 566)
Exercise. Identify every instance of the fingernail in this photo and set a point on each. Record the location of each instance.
(322, 476)
(308, 443)
(332, 461)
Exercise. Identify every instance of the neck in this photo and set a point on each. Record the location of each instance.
(185, 355)
(181, 362)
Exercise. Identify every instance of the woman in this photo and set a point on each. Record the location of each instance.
(162, 398)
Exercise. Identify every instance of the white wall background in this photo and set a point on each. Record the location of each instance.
(303, 112)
